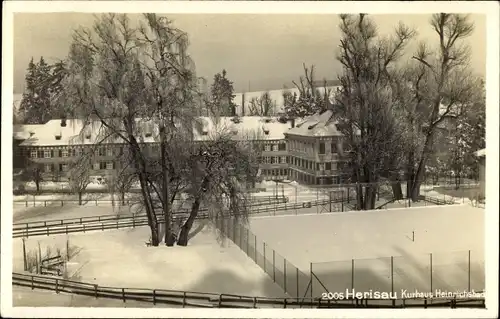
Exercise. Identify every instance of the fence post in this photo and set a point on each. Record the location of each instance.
(297, 271)
(184, 299)
(352, 274)
(248, 241)
(62, 203)
(255, 247)
(284, 274)
(264, 245)
(83, 227)
(24, 255)
(430, 256)
(154, 297)
(468, 286)
(45, 203)
(57, 286)
(392, 274)
(32, 282)
(123, 294)
(274, 265)
(95, 291)
(311, 271)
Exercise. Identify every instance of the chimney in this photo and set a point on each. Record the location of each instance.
(63, 122)
(243, 104)
(292, 121)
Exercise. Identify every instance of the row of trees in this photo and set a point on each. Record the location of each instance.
(398, 114)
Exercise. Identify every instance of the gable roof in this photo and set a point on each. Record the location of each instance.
(319, 124)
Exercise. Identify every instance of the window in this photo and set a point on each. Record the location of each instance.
(268, 159)
(273, 160)
(282, 147)
(63, 167)
(47, 154)
(33, 154)
(275, 147)
(97, 166)
(110, 165)
(334, 148)
(321, 166)
(267, 148)
(283, 159)
(328, 166)
(100, 151)
(64, 153)
(109, 152)
(321, 148)
(48, 168)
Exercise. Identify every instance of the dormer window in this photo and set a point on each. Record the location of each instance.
(267, 120)
(32, 133)
(204, 132)
(58, 136)
(266, 132)
(87, 136)
(148, 134)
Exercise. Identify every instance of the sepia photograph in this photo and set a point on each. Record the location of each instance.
(195, 158)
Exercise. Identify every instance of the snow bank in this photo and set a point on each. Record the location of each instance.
(121, 259)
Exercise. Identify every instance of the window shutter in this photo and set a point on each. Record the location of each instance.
(51, 153)
(52, 167)
(114, 165)
(73, 152)
(60, 167)
(40, 154)
(60, 153)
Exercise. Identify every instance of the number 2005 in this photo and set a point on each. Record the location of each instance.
(332, 296)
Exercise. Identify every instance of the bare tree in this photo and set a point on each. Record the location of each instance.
(310, 99)
(262, 106)
(121, 79)
(443, 88)
(367, 106)
(79, 174)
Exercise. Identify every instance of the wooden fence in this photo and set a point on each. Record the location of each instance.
(187, 299)
(92, 223)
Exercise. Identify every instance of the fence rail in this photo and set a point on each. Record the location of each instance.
(212, 300)
(108, 202)
(84, 224)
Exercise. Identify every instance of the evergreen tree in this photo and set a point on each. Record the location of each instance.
(222, 95)
(28, 107)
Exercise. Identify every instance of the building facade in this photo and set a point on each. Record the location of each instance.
(307, 152)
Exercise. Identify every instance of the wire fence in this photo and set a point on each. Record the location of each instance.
(189, 299)
(436, 273)
(293, 281)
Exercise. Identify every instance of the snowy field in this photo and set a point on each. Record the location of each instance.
(120, 258)
(331, 241)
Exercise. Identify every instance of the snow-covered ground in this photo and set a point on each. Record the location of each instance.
(331, 241)
(121, 259)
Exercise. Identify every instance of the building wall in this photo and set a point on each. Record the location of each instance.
(314, 160)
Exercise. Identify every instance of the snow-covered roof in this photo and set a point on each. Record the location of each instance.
(24, 131)
(250, 127)
(481, 153)
(316, 125)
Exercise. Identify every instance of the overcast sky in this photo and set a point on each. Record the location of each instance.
(259, 52)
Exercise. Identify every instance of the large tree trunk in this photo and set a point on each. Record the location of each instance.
(397, 192)
(419, 175)
(169, 237)
(123, 197)
(140, 167)
(186, 228)
(80, 198)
